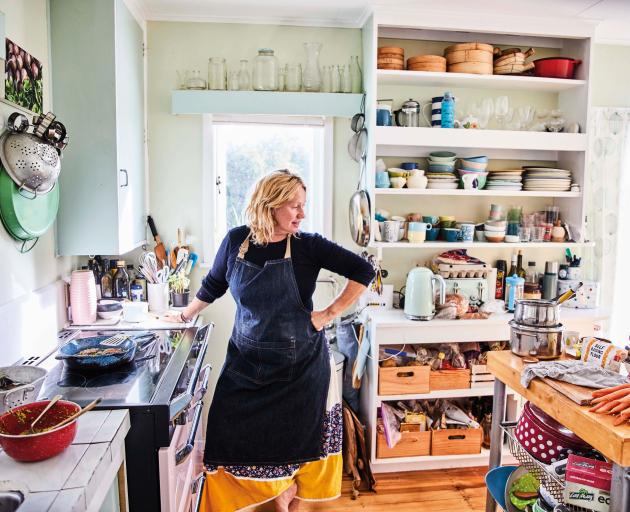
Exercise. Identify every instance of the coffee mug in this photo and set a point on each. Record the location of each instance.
(450, 234)
(382, 179)
(409, 166)
(467, 232)
(432, 234)
(436, 112)
(391, 230)
(470, 181)
(383, 115)
(574, 273)
(417, 231)
(431, 219)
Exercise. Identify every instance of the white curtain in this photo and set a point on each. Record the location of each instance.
(608, 214)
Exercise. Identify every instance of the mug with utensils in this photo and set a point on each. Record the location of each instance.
(435, 119)
(417, 231)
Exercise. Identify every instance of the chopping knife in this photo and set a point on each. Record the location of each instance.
(160, 251)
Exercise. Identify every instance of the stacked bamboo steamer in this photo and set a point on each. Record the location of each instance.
(473, 58)
(427, 63)
(390, 57)
(512, 61)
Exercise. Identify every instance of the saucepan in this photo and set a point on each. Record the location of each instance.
(540, 342)
(360, 213)
(556, 67)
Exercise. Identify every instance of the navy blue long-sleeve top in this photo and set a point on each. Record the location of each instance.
(310, 252)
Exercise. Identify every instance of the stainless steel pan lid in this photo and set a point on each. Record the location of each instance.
(360, 213)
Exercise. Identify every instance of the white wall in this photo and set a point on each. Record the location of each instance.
(27, 25)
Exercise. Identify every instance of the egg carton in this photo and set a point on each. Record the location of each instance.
(465, 271)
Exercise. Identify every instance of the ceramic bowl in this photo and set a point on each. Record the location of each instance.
(442, 167)
(473, 166)
(108, 309)
(493, 236)
(512, 239)
(494, 229)
(496, 224)
(394, 172)
(442, 156)
(398, 182)
(482, 159)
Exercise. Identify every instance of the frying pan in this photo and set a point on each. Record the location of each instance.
(360, 212)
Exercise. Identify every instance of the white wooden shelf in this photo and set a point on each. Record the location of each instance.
(471, 193)
(265, 102)
(419, 142)
(480, 245)
(431, 79)
(446, 393)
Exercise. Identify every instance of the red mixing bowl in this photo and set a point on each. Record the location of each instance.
(40, 445)
(556, 67)
(544, 438)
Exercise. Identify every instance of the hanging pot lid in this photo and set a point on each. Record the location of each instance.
(26, 218)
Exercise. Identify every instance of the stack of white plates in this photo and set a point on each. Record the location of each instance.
(547, 179)
(444, 180)
(506, 179)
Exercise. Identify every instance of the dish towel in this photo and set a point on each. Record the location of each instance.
(574, 372)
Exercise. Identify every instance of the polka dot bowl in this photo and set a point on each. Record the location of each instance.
(544, 438)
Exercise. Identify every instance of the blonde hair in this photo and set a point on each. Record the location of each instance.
(270, 192)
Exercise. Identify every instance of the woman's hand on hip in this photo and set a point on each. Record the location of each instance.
(320, 319)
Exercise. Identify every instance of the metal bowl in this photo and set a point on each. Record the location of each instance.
(537, 313)
(31, 163)
(540, 342)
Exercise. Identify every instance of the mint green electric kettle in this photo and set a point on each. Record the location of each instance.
(420, 293)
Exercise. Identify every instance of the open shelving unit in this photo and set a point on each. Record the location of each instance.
(420, 33)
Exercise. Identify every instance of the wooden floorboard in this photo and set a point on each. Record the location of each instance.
(450, 490)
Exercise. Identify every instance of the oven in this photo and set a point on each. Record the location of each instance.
(163, 389)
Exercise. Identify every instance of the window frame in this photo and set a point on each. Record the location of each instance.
(209, 203)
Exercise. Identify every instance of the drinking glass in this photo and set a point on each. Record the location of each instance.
(524, 233)
(526, 116)
(501, 108)
(294, 77)
(538, 234)
(552, 214)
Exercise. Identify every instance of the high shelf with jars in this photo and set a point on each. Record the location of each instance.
(429, 33)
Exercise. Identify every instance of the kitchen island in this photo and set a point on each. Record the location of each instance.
(84, 477)
(596, 429)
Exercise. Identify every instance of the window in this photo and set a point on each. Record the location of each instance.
(238, 150)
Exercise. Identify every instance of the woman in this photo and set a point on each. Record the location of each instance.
(274, 429)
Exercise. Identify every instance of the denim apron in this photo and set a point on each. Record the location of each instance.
(270, 399)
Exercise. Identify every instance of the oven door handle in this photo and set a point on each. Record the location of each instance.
(182, 453)
(181, 402)
(199, 485)
(204, 381)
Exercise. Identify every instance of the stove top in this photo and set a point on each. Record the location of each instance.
(159, 353)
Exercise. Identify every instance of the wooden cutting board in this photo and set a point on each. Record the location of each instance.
(578, 394)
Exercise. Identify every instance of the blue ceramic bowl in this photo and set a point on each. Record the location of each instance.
(409, 166)
(108, 305)
(72, 348)
(441, 167)
(443, 154)
(450, 234)
(432, 234)
(480, 159)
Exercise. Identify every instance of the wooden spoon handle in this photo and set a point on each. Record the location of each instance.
(55, 399)
(87, 408)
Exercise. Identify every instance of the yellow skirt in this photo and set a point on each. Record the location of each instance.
(239, 488)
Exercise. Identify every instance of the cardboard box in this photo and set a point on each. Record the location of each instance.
(588, 483)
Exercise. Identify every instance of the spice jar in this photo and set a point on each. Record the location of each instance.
(514, 290)
(265, 71)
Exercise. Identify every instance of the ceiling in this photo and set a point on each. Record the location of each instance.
(614, 15)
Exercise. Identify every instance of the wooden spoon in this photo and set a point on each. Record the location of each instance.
(55, 399)
(87, 408)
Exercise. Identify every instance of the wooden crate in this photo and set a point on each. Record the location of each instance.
(403, 380)
(449, 379)
(456, 441)
(412, 444)
(481, 377)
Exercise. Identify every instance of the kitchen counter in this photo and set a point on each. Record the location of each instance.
(152, 323)
(79, 478)
(596, 429)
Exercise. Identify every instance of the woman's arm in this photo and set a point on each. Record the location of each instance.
(188, 313)
(346, 298)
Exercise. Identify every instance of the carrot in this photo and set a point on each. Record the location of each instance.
(613, 396)
(622, 418)
(607, 391)
(604, 407)
(621, 407)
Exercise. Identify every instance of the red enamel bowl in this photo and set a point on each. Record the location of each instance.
(556, 67)
(42, 444)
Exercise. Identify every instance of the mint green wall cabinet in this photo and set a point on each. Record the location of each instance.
(98, 92)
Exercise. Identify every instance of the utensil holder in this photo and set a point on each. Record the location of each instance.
(158, 297)
(180, 300)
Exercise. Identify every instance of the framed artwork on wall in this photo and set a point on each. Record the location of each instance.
(23, 78)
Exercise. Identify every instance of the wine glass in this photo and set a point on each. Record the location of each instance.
(501, 109)
(486, 111)
(525, 116)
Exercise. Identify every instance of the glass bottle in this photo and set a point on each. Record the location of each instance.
(107, 284)
(499, 291)
(513, 268)
(336, 79)
(448, 110)
(244, 81)
(532, 288)
(327, 80)
(294, 77)
(520, 271)
(121, 281)
(265, 71)
(282, 78)
(216, 74)
(312, 78)
(346, 79)
(355, 72)
(233, 82)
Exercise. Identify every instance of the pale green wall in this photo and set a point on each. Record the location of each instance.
(27, 25)
(611, 76)
(175, 142)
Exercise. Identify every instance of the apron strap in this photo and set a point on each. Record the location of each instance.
(245, 246)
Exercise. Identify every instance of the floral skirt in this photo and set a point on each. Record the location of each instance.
(240, 488)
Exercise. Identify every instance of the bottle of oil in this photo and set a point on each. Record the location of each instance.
(107, 281)
(499, 292)
(520, 270)
(121, 281)
(513, 267)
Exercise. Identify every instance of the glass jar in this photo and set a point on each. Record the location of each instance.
(195, 82)
(233, 83)
(216, 74)
(294, 77)
(265, 71)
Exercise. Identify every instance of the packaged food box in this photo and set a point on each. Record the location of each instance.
(588, 483)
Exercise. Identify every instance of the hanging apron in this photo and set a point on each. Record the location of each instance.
(270, 399)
